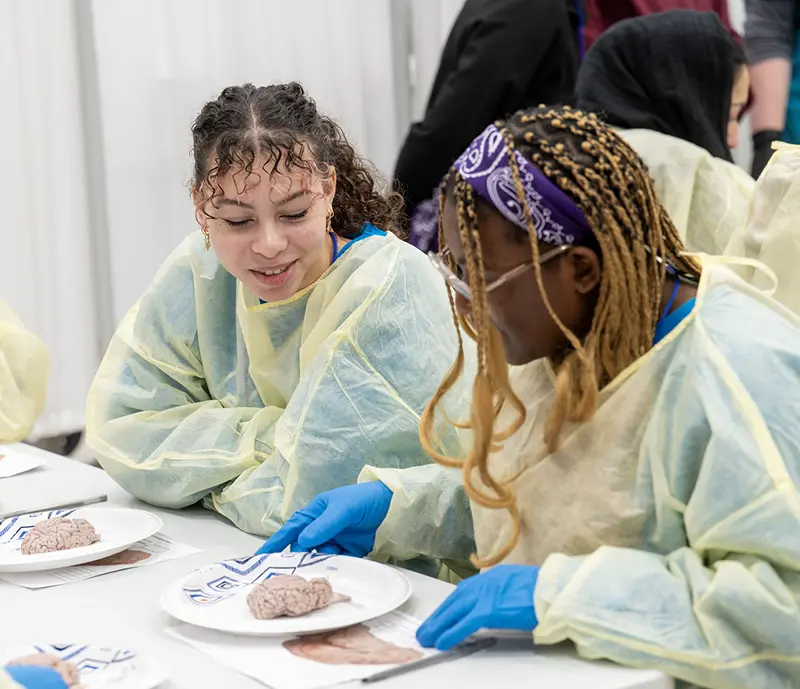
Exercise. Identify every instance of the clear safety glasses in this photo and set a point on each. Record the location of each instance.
(458, 280)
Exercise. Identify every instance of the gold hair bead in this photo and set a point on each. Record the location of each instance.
(557, 123)
(560, 148)
(529, 137)
(586, 146)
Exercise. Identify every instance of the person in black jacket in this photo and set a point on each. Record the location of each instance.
(679, 72)
(501, 56)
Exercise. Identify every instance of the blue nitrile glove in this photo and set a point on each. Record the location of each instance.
(36, 677)
(341, 521)
(500, 598)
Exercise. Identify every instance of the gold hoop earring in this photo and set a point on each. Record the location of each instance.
(206, 238)
(329, 221)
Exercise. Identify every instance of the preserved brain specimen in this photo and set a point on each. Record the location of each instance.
(290, 596)
(58, 533)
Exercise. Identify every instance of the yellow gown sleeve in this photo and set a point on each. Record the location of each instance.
(153, 425)
(717, 601)
(24, 367)
(358, 403)
(771, 234)
(164, 419)
(356, 398)
(442, 524)
(707, 198)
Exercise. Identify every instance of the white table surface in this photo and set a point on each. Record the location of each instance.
(122, 608)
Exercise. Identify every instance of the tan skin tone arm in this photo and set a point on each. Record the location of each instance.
(770, 81)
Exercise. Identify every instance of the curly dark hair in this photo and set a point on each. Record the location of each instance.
(281, 123)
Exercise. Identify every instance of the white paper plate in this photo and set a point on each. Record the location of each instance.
(99, 667)
(215, 597)
(118, 529)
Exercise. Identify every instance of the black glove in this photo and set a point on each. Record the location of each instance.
(762, 150)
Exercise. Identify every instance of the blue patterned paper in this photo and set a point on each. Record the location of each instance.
(89, 659)
(225, 579)
(15, 528)
(99, 667)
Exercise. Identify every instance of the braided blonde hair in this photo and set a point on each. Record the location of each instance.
(636, 239)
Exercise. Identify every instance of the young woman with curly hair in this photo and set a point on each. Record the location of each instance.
(296, 340)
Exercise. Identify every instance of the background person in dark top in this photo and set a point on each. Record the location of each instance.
(675, 84)
(501, 55)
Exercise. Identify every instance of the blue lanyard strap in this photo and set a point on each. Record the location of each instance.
(671, 301)
(335, 248)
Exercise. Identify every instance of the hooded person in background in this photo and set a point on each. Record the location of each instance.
(675, 84)
(500, 56)
(24, 366)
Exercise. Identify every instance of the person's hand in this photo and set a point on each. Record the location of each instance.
(340, 521)
(36, 677)
(500, 598)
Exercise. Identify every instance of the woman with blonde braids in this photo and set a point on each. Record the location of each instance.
(634, 475)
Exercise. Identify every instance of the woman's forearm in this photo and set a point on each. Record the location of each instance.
(770, 83)
(769, 39)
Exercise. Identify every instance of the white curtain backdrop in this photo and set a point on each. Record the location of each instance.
(45, 271)
(744, 154)
(431, 21)
(159, 61)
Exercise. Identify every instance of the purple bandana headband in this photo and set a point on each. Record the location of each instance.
(487, 167)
